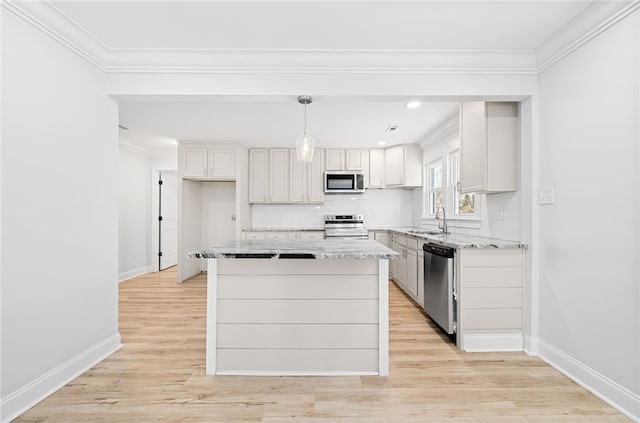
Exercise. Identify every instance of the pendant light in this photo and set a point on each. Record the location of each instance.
(305, 142)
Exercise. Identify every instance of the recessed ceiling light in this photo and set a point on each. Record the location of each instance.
(391, 128)
(382, 143)
(413, 104)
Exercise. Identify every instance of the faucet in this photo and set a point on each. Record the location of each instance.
(443, 224)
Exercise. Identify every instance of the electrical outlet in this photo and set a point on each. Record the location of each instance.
(546, 196)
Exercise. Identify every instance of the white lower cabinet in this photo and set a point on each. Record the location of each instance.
(420, 295)
(407, 271)
(412, 273)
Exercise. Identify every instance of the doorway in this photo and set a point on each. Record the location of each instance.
(166, 248)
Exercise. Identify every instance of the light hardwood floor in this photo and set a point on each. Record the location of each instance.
(158, 376)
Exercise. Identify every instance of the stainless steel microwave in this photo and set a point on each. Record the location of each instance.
(343, 181)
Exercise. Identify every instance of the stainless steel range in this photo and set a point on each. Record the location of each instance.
(345, 226)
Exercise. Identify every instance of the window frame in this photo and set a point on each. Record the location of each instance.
(453, 190)
(427, 205)
(449, 190)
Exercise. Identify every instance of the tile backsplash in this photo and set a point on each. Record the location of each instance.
(381, 208)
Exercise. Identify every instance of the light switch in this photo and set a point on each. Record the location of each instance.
(546, 196)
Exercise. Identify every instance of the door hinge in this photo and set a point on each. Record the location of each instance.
(159, 253)
(160, 182)
(160, 218)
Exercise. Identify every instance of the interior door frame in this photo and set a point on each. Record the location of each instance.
(154, 230)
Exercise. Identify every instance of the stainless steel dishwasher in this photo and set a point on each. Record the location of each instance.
(439, 286)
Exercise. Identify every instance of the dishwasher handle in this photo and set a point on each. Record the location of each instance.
(439, 250)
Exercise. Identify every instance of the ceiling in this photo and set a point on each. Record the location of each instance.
(266, 26)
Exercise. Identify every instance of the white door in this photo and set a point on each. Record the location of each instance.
(218, 213)
(169, 222)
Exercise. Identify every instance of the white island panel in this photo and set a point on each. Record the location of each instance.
(297, 317)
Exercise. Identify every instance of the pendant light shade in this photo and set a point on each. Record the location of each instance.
(305, 142)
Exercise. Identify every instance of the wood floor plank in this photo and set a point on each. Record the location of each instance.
(159, 376)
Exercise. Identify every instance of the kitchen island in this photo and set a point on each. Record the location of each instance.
(317, 307)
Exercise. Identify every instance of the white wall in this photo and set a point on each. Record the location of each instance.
(59, 216)
(589, 323)
(381, 209)
(134, 212)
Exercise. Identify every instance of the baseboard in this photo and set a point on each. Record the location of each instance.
(492, 342)
(604, 388)
(29, 395)
(134, 273)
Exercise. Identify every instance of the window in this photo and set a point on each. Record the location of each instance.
(434, 187)
(442, 188)
(463, 204)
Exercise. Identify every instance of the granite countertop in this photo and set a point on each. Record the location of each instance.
(283, 230)
(459, 240)
(309, 249)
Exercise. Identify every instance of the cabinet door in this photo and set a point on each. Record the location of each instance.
(315, 180)
(376, 168)
(194, 162)
(420, 275)
(221, 164)
(279, 175)
(412, 273)
(258, 176)
(357, 159)
(334, 159)
(394, 166)
(473, 146)
(402, 268)
(298, 178)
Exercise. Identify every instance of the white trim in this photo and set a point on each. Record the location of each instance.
(291, 373)
(602, 14)
(134, 273)
(383, 317)
(604, 388)
(47, 18)
(492, 342)
(32, 393)
(125, 144)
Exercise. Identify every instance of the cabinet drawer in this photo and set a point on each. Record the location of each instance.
(402, 240)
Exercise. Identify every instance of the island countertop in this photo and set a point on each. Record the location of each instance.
(311, 249)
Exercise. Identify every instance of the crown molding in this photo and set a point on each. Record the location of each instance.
(45, 17)
(593, 21)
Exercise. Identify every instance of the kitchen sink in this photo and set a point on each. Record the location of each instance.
(427, 232)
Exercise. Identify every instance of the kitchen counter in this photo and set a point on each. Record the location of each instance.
(288, 249)
(457, 240)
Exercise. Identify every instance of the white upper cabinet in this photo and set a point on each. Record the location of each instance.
(221, 163)
(276, 176)
(306, 179)
(357, 160)
(315, 174)
(258, 175)
(279, 175)
(489, 147)
(208, 163)
(334, 159)
(376, 168)
(403, 166)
